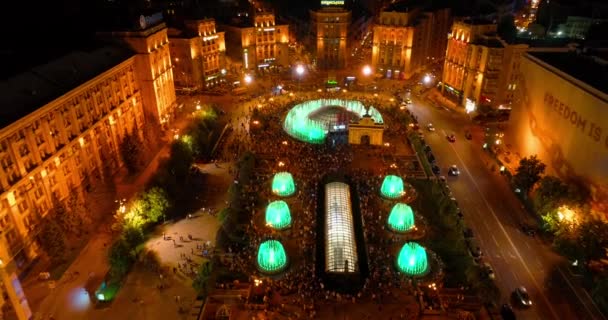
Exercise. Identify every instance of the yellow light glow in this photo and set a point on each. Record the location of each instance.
(567, 215)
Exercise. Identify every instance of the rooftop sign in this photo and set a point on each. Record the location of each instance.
(332, 2)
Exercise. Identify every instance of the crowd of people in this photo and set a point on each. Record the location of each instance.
(258, 128)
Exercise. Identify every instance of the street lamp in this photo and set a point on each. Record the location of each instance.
(426, 79)
(367, 71)
(248, 79)
(299, 71)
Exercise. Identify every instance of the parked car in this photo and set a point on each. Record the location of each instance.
(489, 271)
(468, 135)
(436, 169)
(451, 137)
(522, 297)
(453, 171)
(529, 230)
(474, 249)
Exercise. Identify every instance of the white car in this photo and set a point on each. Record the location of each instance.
(430, 127)
(453, 171)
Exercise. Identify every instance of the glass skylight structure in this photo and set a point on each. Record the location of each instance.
(401, 218)
(392, 187)
(271, 256)
(283, 185)
(278, 215)
(340, 246)
(412, 260)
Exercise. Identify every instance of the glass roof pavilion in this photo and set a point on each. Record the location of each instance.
(283, 185)
(271, 256)
(340, 246)
(412, 260)
(401, 218)
(392, 187)
(278, 215)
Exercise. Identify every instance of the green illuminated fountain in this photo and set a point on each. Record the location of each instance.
(412, 260)
(283, 185)
(271, 257)
(299, 125)
(278, 215)
(401, 218)
(392, 187)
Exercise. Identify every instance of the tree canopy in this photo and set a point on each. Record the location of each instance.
(528, 173)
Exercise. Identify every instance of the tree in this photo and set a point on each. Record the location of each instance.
(79, 208)
(528, 173)
(155, 204)
(506, 28)
(550, 193)
(120, 258)
(201, 282)
(593, 239)
(52, 240)
(130, 150)
(68, 221)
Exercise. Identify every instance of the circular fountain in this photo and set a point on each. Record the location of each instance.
(401, 218)
(283, 185)
(271, 257)
(392, 187)
(412, 260)
(304, 123)
(278, 215)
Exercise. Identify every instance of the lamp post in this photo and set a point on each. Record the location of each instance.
(367, 71)
(300, 72)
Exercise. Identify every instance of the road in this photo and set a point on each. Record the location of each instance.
(494, 213)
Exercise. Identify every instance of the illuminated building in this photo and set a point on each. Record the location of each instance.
(198, 54)
(561, 114)
(61, 126)
(406, 38)
(330, 27)
(480, 68)
(153, 65)
(259, 43)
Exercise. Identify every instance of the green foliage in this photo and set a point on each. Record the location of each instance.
(52, 239)
(154, 204)
(593, 239)
(201, 282)
(130, 151)
(528, 173)
(79, 208)
(120, 258)
(549, 194)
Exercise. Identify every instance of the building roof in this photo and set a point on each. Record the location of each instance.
(32, 89)
(490, 42)
(406, 6)
(587, 68)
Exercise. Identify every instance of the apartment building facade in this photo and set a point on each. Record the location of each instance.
(258, 43)
(199, 55)
(330, 26)
(406, 39)
(63, 143)
(480, 68)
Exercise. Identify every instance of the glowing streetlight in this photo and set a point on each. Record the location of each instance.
(367, 70)
(300, 70)
(426, 79)
(248, 79)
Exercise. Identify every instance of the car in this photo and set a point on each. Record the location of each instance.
(522, 297)
(451, 137)
(507, 313)
(436, 169)
(474, 249)
(468, 135)
(453, 171)
(430, 127)
(431, 157)
(489, 271)
(529, 230)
